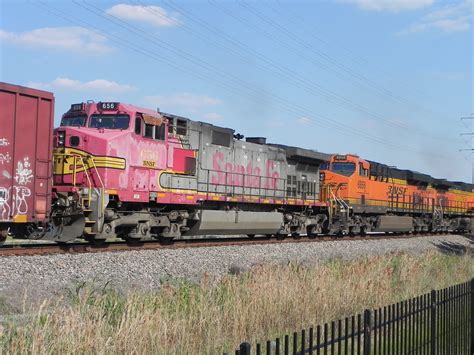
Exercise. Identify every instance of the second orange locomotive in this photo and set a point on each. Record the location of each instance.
(369, 196)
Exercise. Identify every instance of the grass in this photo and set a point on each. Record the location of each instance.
(214, 316)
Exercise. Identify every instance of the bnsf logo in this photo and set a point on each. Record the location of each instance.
(396, 190)
(149, 164)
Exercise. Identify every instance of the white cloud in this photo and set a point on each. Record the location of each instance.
(450, 18)
(304, 120)
(185, 100)
(275, 123)
(391, 5)
(213, 117)
(78, 39)
(97, 85)
(154, 15)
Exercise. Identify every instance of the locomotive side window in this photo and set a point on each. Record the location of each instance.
(154, 127)
(362, 171)
(160, 132)
(149, 130)
(138, 125)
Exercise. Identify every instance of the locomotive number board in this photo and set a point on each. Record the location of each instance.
(77, 107)
(112, 106)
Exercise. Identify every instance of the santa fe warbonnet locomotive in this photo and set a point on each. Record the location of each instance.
(123, 171)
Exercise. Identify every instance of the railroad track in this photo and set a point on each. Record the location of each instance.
(84, 247)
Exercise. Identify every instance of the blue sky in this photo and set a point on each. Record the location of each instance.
(388, 80)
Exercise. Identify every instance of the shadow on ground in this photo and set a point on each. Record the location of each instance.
(453, 248)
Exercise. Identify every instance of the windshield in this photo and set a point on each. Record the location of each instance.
(74, 120)
(109, 121)
(324, 166)
(346, 169)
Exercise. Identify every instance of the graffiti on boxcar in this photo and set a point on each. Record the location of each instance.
(5, 158)
(4, 206)
(243, 175)
(21, 204)
(23, 172)
(4, 142)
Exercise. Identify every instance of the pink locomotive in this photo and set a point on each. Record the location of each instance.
(133, 173)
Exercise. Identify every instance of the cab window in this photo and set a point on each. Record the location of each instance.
(324, 166)
(346, 168)
(109, 121)
(160, 132)
(362, 171)
(138, 125)
(149, 130)
(155, 132)
(78, 121)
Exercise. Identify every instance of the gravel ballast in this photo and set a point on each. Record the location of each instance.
(45, 276)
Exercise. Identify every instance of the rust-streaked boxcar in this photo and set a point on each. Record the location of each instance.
(26, 124)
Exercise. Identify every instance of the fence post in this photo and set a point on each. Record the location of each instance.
(433, 321)
(472, 316)
(367, 331)
(244, 349)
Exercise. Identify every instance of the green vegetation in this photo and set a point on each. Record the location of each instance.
(213, 316)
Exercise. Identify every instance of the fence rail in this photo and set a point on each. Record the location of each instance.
(439, 322)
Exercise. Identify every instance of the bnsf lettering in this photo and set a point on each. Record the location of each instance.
(396, 190)
(241, 175)
(149, 164)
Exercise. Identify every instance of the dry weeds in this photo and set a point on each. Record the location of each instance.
(184, 318)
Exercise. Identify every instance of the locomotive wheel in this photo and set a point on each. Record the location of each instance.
(311, 232)
(95, 241)
(133, 241)
(3, 236)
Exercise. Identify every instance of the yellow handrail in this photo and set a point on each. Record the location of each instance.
(77, 157)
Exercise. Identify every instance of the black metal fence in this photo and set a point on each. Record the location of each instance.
(439, 322)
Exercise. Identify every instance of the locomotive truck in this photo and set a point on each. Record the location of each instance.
(122, 171)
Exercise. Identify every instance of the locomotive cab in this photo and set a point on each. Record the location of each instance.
(345, 176)
(102, 152)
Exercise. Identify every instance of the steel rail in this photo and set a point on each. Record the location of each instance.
(84, 247)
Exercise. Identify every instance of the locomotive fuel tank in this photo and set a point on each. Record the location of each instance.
(237, 222)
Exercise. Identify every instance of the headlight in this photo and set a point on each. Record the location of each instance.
(61, 138)
(74, 141)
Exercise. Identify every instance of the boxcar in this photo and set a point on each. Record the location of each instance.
(26, 124)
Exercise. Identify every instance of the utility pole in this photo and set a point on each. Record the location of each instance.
(469, 123)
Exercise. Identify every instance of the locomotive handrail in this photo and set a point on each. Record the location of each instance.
(102, 195)
(280, 193)
(74, 170)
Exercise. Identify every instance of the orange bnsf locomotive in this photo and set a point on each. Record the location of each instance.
(122, 171)
(368, 196)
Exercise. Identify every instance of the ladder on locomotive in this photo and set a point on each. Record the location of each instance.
(337, 205)
(91, 215)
